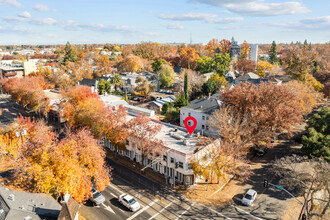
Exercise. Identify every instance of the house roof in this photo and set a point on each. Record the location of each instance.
(87, 82)
(161, 102)
(69, 210)
(205, 105)
(247, 76)
(19, 205)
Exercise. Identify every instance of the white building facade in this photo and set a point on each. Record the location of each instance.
(201, 110)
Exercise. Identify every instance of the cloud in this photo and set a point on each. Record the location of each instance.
(258, 7)
(188, 17)
(37, 21)
(11, 2)
(268, 9)
(14, 29)
(42, 8)
(25, 14)
(208, 18)
(173, 26)
(71, 25)
(308, 24)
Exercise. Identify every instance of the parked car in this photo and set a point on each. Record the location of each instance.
(261, 151)
(97, 198)
(249, 197)
(129, 202)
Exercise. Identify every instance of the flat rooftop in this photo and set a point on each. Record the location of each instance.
(9, 67)
(176, 138)
(20, 205)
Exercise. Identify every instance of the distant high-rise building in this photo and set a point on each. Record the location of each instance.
(254, 52)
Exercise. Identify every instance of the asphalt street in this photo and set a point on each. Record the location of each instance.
(160, 202)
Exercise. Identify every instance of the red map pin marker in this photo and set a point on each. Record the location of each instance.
(190, 129)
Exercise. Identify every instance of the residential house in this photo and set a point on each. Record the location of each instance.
(115, 101)
(201, 110)
(158, 104)
(246, 77)
(69, 209)
(25, 205)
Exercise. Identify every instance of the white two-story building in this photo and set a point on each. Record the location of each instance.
(201, 110)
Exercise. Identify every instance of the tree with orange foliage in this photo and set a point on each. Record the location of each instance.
(116, 130)
(306, 95)
(55, 167)
(225, 46)
(244, 66)
(143, 134)
(245, 50)
(103, 65)
(28, 91)
(188, 57)
(82, 108)
(130, 63)
(211, 46)
(270, 108)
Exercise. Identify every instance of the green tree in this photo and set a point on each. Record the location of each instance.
(117, 81)
(166, 76)
(273, 54)
(181, 101)
(69, 55)
(221, 63)
(209, 87)
(186, 87)
(103, 86)
(157, 65)
(317, 140)
(204, 64)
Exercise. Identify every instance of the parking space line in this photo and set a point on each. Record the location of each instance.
(116, 188)
(216, 211)
(246, 212)
(113, 195)
(185, 211)
(142, 210)
(160, 211)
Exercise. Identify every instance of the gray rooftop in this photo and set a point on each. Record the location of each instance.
(205, 105)
(20, 205)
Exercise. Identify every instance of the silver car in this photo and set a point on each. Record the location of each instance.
(249, 197)
(97, 198)
(129, 202)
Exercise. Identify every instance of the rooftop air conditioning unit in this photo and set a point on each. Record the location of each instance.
(186, 142)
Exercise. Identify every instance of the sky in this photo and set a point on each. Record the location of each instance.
(163, 21)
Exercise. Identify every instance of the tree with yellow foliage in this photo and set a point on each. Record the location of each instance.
(47, 165)
(245, 50)
(263, 67)
(306, 95)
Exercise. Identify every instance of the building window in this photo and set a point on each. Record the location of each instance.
(203, 117)
(180, 165)
(207, 118)
(188, 167)
(172, 160)
(207, 127)
(164, 158)
(189, 114)
(203, 126)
